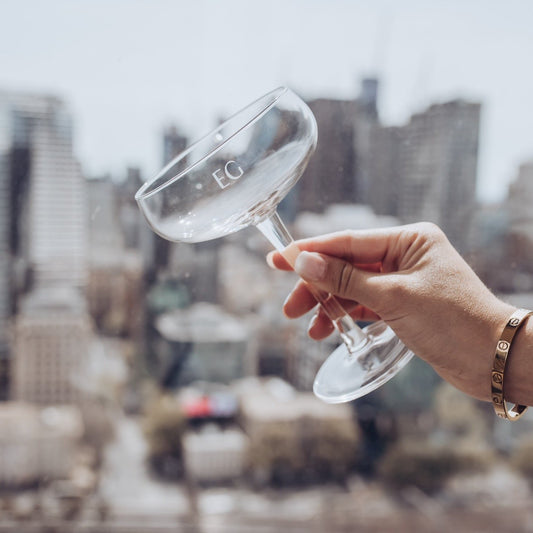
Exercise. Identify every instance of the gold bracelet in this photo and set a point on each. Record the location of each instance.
(500, 362)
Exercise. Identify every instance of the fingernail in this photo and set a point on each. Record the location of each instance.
(286, 300)
(270, 259)
(312, 322)
(310, 266)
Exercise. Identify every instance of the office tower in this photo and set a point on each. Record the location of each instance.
(52, 334)
(115, 273)
(519, 260)
(5, 266)
(48, 239)
(48, 220)
(338, 171)
(160, 249)
(173, 143)
(438, 167)
(57, 218)
(384, 181)
(195, 266)
(427, 169)
(520, 199)
(329, 176)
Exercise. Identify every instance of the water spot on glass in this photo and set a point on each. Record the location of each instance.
(218, 137)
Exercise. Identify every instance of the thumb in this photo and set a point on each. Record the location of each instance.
(339, 277)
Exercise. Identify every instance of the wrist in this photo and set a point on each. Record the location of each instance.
(494, 319)
(518, 387)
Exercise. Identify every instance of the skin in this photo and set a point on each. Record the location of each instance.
(412, 277)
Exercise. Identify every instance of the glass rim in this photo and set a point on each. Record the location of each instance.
(272, 98)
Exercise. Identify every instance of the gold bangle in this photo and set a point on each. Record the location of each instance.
(500, 362)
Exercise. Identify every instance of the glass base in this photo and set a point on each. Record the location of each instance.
(344, 376)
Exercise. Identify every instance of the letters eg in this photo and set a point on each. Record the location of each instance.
(232, 172)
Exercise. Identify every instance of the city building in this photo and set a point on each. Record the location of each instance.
(294, 435)
(52, 334)
(338, 171)
(115, 294)
(46, 224)
(115, 280)
(173, 143)
(501, 238)
(37, 444)
(433, 168)
(384, 183)
(48, 220)
(519, 201)
(423, 170)
(215, 455)
(204, 343)
(5, 256)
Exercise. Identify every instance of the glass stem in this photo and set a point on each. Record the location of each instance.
(278, 235)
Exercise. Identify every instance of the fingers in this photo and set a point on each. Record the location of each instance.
(340, 278)
(321, 326)
(358, 247)
(276, 260)
(300, 301)
(355, 246)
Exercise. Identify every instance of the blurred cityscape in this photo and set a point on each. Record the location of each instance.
(154, 386)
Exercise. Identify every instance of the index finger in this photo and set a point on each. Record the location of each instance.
(356, 246)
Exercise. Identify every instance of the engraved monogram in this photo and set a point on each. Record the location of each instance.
(232, 172)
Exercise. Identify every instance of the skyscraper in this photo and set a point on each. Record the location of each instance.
(52, 333)
(329, 176)
(427, 169)
(173, 143)
(5, 256)
(520, 199)
(338, 172)
(439, 167)
(48, 237)
(48, 222)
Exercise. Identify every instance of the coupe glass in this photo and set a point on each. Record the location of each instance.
(235, 177)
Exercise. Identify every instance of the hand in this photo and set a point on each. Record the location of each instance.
(411, 277)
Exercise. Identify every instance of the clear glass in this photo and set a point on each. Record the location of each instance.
(235, 177)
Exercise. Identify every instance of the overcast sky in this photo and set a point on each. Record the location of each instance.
(128, 67)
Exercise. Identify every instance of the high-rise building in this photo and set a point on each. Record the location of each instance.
(518, 263)
(5, 264)
(48, 221)
(115, 283)
(439, 167)
(520, 199)
(52, 334)
(329, 176)
(48, 237)
(173, 143)
(384, 183)
(338, 172)
(427, 169)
